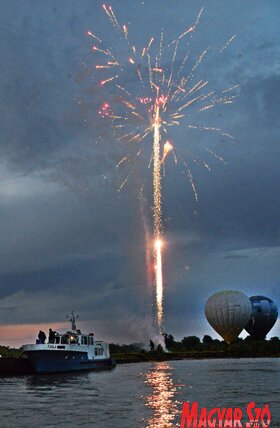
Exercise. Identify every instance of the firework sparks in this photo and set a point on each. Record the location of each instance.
(89, 33)
(161, 101)
(157, 216)
(167, 148)
(227, 44)
(159, 282)
(190, 177)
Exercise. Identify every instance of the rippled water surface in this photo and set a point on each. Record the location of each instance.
(138, 395)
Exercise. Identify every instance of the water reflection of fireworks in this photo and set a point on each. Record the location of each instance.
(166, 88)
(162, 399)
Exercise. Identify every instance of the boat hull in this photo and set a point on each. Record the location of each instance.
(48, 361)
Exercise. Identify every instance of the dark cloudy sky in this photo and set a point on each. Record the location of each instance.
(69, 239)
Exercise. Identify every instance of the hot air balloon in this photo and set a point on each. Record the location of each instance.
(228, 312)
(264, 316)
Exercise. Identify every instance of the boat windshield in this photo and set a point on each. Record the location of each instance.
(72, 338)
(66, 339)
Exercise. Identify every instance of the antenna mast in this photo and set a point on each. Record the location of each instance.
(72, 318)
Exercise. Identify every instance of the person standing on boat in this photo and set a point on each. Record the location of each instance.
(51, 336)
(42, 337)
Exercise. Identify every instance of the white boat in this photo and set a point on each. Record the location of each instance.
(70, 351)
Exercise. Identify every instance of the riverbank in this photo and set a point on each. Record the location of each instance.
(238, 350)
(191, 347)
(173, 356)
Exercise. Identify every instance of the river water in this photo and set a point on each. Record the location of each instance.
(148, 395)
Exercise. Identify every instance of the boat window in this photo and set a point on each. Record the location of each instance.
(73, 340)
(98, 351)
(91, 340)
(85, 340)
(64, 339)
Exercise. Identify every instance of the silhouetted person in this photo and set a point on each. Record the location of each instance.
(152, 346)
(51, 336)
(42, 337)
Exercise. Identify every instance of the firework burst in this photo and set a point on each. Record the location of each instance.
(164, 88)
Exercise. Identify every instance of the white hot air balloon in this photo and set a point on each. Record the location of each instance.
(228, 313)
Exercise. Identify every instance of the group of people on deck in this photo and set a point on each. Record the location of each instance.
(42, 336)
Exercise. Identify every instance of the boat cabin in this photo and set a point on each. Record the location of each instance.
(73, 338)
(98, 348)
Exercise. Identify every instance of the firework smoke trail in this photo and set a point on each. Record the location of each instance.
(157, 217)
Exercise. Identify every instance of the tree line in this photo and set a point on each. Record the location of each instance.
(208, 345)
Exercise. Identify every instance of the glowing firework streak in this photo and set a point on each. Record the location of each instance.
(167, 148)
(227, 44)
(159, 283)
(157, 216)
(157, 175)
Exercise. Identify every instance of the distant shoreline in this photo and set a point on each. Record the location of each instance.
(237, 350)
(169, 356)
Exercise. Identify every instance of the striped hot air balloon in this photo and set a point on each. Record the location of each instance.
(228, 313)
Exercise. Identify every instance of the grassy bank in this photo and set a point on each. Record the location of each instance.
(215, 349)
(139, 357)
(6, 351)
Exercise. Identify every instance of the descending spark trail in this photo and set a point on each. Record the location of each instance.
(157, 217)
(159, 283)
(167, 148)
(165, 88)
(157, 175)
